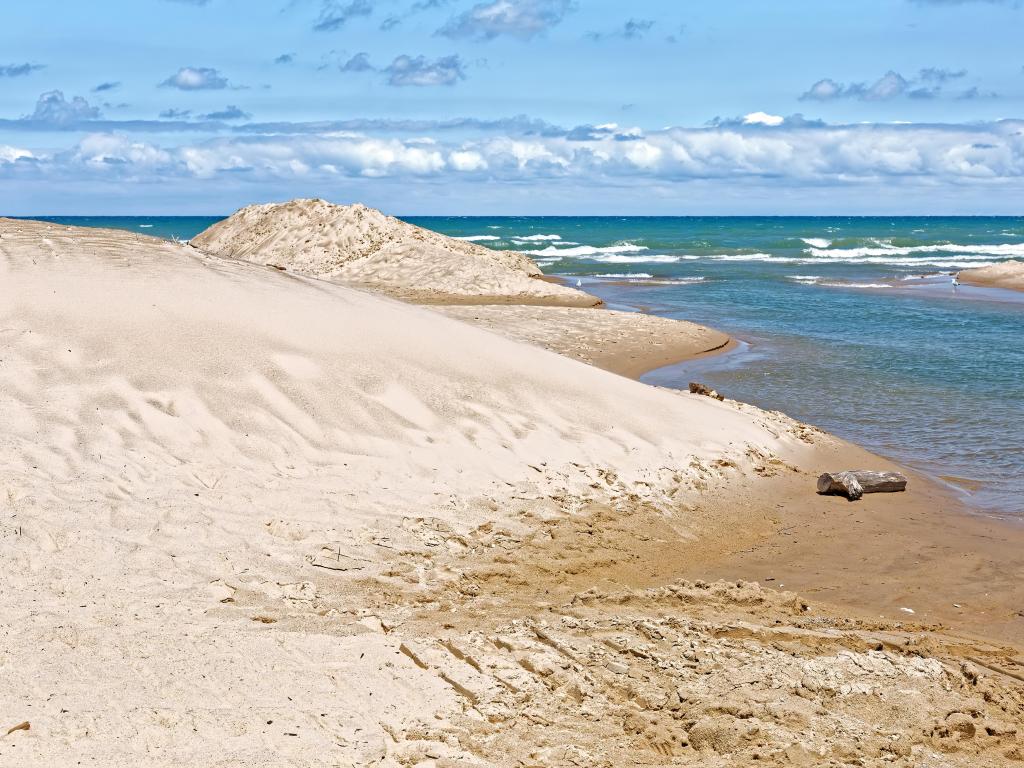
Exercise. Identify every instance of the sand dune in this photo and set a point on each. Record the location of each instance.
(1009, 274)
(253, 518)
(361, 245)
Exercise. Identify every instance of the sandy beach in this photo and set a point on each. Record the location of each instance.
(256, 515)
(1009, 274)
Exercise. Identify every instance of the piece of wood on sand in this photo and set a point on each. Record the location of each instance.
(855, 483)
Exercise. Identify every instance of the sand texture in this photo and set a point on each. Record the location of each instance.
(628, 343)
(1009, 274)
(361, 245)
(250, 518)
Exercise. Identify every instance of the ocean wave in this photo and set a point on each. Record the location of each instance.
(638, 275)
(884, 249)
(621, 258)
(145, 226)
(856, 285)
(817, 242)
(478, 238)
(535, 238)
(804, 278)
(586, 250)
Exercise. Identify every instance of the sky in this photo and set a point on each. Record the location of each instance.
(507, 107)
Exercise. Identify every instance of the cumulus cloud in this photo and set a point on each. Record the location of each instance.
(928, 84)
(19, 70)
(285, 58)
(358, 63)
(9, 154)
(421, 71)
(335, 14)
(804, 155)
(196, 79)
(516, 18)
(52, 108)
(763, 118)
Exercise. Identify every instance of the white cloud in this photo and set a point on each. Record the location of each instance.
(9, 154)
(763, 118)
(788, 156)
(467, 162)
(420, 71)
(196, 79)
(516, 18)
(53, 108)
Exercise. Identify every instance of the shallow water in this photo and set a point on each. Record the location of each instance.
(852, 324)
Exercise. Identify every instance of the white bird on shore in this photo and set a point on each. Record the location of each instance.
(579, 283)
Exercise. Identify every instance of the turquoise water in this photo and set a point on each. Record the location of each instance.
(852, 324)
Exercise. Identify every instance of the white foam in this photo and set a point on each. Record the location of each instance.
(817, 242)
(638, 275)
(621, 258)
(535, 238)
(856, 285)
(586, 250)
(145, 226)
(884, 249)
(478, 238)
(804, 278)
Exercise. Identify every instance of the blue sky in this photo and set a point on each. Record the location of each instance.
(513, 106)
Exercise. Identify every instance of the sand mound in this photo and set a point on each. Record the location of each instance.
(249, 514)
(357, 244)
(1009, 274)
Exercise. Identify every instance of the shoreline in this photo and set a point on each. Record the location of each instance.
(831, 545)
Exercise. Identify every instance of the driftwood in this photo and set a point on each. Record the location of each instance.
(697, 388)
(855, 483)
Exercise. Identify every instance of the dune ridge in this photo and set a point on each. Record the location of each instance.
(252, 518)
(361, 245)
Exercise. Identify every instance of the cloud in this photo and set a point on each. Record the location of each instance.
(230, 112)
(928, 84)
(176, 114)
(799, 156)
(334, 14)
(19, 70)
(52, 108)
(523, 19)
(420, 71)
(285, 58)
(358, 63)
(110, 86)
(196, 79)
(633, 29)
(763, 118)
(9, 154)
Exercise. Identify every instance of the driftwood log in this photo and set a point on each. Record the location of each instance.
(696, 388)
(855, 483)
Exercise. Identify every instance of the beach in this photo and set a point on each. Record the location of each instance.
(258, 511)
(1009, 275)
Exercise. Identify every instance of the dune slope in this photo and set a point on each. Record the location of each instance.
(353, 243)
(250, 518)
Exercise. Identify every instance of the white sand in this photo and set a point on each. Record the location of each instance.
(361, 245)
(254, 519)
(1009, 274)
(175, 423)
